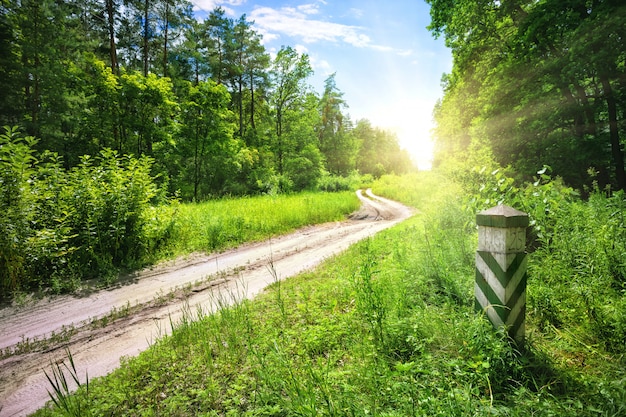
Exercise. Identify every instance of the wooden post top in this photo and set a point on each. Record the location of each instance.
(502, 216)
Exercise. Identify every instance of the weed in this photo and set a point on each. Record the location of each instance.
(369, 295)
(61, 394)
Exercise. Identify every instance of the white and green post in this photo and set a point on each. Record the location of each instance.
(500, 288)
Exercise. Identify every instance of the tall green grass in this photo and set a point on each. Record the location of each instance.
(228, 222)
(386, 329)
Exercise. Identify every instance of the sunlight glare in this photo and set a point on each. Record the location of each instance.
(411, 120)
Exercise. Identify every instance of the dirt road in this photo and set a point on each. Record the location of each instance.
(105, 326)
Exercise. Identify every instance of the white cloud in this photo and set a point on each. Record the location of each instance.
(301, 49)
(297, 23)
(309, 8)
(323, 66)
(209, 5)
(320, 66)
(268, 37)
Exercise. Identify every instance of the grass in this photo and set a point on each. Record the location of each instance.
(225, 223)
(385, 329)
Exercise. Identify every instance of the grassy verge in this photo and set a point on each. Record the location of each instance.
(220, 224)
(386, 329)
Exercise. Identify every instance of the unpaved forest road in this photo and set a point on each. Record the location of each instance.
(223, 277)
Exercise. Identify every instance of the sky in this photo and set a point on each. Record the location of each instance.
(387, 64)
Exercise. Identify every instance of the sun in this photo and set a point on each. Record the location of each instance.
(411, 120)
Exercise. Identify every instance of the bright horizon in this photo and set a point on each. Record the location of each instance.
(387, 64)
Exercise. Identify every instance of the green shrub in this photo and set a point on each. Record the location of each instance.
(64, 226)
(332, 183)
(110, 198)
(16, 204)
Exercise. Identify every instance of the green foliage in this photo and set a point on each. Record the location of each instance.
(110, 198)
(16, 174)
(147, 112)
(535, 82)
(379, 152)
(61, 227)
(206, 142)
(586, 274)
(335, 139)
(202, 99)
(332, 183)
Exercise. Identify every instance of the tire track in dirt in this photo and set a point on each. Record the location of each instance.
(149, 301)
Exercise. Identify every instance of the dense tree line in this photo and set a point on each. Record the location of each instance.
(536, 83)
(204, 100)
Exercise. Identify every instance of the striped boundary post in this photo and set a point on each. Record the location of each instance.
(500, 289)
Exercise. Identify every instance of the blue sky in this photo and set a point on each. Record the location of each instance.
(387, 64)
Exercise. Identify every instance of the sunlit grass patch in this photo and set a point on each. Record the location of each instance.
(228, 222)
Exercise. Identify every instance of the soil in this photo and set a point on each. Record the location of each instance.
(102, 327)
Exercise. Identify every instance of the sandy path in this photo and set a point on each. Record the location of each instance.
(159, 295)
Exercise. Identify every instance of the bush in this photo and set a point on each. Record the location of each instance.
(332, 183)
(111, 197)
(61, 227)
(16, 174)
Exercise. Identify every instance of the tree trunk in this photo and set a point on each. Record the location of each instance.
(252, 124)
(196, 162)
(111, 26)
(145, 37)
(166, 26)
(240, 87)
(616, 147)
(279, 133)
(577, 115)
(590, 125)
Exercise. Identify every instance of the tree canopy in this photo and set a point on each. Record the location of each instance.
(536, 83)
(204, 100)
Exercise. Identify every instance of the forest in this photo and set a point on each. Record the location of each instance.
(112, 112)
(535, 83)
(215, 112)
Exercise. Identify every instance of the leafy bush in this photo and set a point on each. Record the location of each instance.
(61, 227)
(110, 199)
(16, 174)
(333, 183)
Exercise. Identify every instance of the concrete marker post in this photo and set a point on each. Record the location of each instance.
(500, 289)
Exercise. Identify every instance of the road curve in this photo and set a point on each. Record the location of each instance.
(154, 297)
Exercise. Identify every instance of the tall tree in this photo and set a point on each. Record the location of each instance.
(218, 37)
(148, 110)
(289, 73)
(190, 56)
(248, 72)
(379, 151)
(111, 16)
(175, 17)
(335, 140)
(208, 148)
(11, 82)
